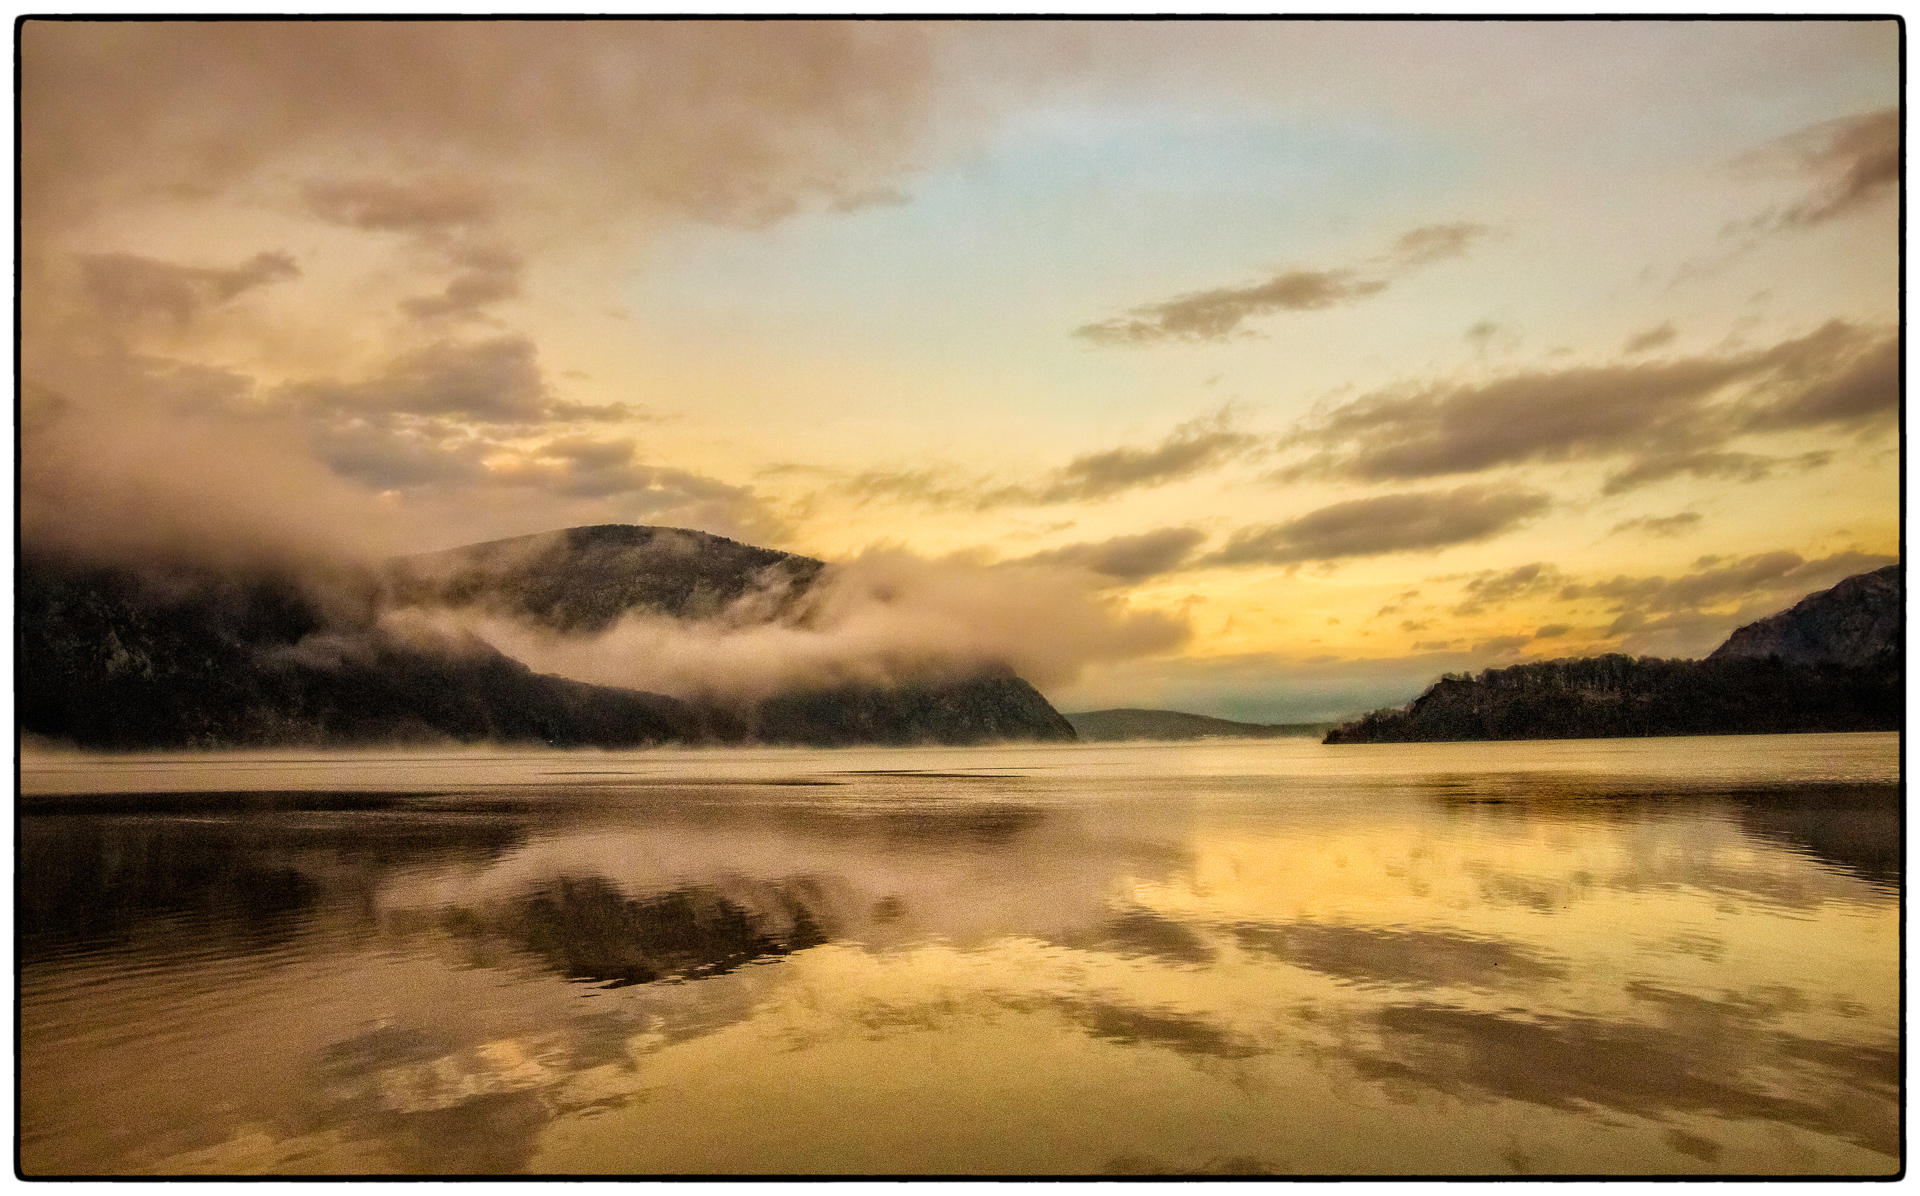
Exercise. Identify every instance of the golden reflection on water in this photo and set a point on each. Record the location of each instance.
(1641, 957)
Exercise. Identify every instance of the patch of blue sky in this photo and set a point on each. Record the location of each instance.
(1065, 219)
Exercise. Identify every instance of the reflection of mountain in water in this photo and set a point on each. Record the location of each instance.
(220, 881)
(587, 929)
(1853, 827)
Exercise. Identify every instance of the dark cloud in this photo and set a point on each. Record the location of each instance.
(487, 381)
(1658, 525)
(1437, 242)
(1126, 558)
(595, 412)
(930, 487)
(1731, 466)
(420, 206)
(1496, 588)
(1840, 375)
(1651, 339)
(128, 287)
(1852, 162)
(729, 122)
(1717, 582)
(386, 457)
(1415, 522)
(1192, 448)
(1550, 631)
(1215, 315)
(1500, 645)
(1868, 386)
(483, 275)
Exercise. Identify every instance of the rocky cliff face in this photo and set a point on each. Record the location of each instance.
(1830, 663)
(1857, 623)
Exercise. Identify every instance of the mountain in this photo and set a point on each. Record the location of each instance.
(1127, 723)
(179, 657)
(1856, 623)
(583, 579)
(186, 658)
(1832, 662)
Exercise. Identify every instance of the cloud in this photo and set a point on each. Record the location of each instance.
(383, 205)
(1658, 525)
(102, 479)
(1865, 386)
(1437, 242)
(1424, 521)
(1192, 448)
(126, 287)
(1653, 338)
(1126, 558)
(728, 122)
(1715, 582)
(497, 380)
(1852, 162)
(1497, 588)
(1549, 631)
(1215, 315)
(884, 616)
(1500, 645)
(483, 275)
(1839, 376)
(1733, 466)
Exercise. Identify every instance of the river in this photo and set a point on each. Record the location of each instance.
(1641, 957)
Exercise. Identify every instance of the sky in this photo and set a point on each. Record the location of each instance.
(1260, 369)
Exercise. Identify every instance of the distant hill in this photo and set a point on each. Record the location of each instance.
(1123, 724)
(1832, 662)
(172, 657)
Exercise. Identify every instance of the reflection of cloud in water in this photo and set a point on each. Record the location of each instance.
(1144, 933)
(1402, 958)
(1140, 1164)
(438, 1107)
(1128, 1025)
(1727, 1068)
(1855, 827)
(1853, 830)
(892, 876)
(586, 929)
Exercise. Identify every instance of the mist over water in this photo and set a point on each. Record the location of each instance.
(1644, 956)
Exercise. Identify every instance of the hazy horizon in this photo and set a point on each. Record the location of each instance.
(1265, 370)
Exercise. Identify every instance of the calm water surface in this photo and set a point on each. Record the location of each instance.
(1650, 956)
